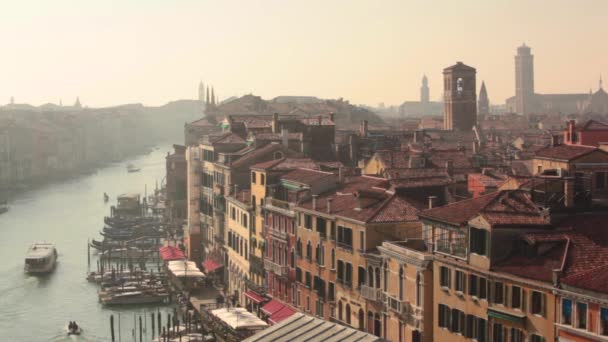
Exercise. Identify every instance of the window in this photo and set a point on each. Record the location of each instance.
(536, 338)
(498, 333)
(307, 303)
(516, 297)
(473, 285)
(345, 238)
(600, 180)
(483, 288)
(478, 241)
(333, 259)
(566, 311)
(262, 179)
(516, 335)
(418, 289)
(332, 231)
(469, 330)
(299, 248)
(348, 276)
(298, 274)
(499, 297)
(444, 316)
(538, 303)
(331, 292)
(361, 241)
(457, 321)
(460, 283)
(401, 283)
(604, 321)
(307, 222)
(581, 315)
(340, 271)
(309, 251)
(308, 280)
(444, 277)
(481, 330)
(361, 276)
(253, 177)
(321, 227)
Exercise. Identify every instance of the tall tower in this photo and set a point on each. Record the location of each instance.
(424, 90)
(483, 106)
(524, 80)
(459, 98)
(201, 92)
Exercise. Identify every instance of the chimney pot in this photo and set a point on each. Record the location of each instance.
(314, 202)
(432, 201)
(329, 200)
(332, 116)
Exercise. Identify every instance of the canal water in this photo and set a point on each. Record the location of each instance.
(34, 308)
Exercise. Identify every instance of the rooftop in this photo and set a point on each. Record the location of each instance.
(564, 152)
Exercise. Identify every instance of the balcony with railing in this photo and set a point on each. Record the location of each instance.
(256, 265)
(371, 293)
(452, 248)
(275, 268)
(396, 305)
(274, 204)
(276, 233)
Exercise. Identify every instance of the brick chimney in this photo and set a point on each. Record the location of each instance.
(314, 202)
(332, 116)
(320, 119)
(275, 123)
(358, 204)
(329, 200)
(554, 140)
(341, 174)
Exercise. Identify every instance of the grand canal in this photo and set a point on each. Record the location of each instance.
(67, 213)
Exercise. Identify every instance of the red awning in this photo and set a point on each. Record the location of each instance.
(256, 298)
(282, 314)
(272, 307)
(171, 253)
(211, 265)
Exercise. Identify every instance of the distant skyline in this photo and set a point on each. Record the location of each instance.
(153, 51)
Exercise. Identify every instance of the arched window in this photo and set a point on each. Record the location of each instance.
(418, 289)
(321, 255)
(309, 250)
(340, 271)
(361, 318)
(299, 248)
(401, 282)
(370, 276)
(340, 310)
(347, 314)
(377, 278)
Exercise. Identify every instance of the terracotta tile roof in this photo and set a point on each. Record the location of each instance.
(314, 121)
(500, 208)
(256, 154)
(285, 164)
(578, 247)
(400, 173)
(397, 209)
(225, 138)
(306, 176)
(421, 182)
(394, 159)
(278, 136)
(459, 213)
(564, 152)
(592, 125)
(243, 196)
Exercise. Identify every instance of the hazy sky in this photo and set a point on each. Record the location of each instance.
(153, 51)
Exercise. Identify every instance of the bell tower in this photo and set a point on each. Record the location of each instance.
(459, 97)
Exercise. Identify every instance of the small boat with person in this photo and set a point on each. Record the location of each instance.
(41, 258)
(73, 329)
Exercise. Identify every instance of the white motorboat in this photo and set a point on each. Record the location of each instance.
(41, 258)
(132, 168)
